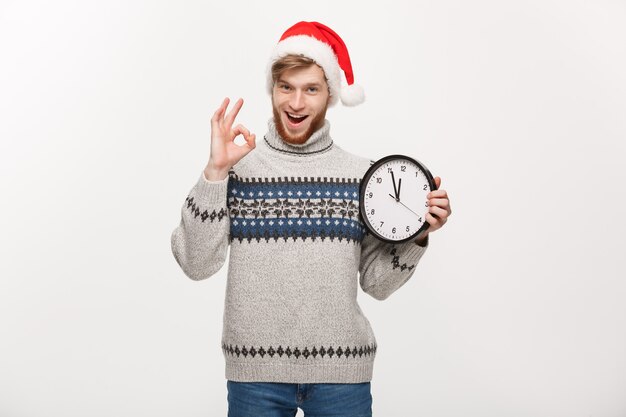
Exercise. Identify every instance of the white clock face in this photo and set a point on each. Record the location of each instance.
(395, 199)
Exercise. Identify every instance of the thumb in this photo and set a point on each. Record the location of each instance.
(437, 182)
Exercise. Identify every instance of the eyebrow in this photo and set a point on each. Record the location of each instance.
(280, 80)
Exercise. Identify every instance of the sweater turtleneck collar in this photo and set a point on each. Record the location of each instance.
(319, 142)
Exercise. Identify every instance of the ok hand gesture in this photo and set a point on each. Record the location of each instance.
(224, 151)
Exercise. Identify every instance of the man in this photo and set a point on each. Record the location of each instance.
(294, 334)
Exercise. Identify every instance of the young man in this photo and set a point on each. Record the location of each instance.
(294, 334)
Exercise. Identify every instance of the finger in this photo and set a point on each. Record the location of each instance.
(251, 141)
(249, 145)
(221, 109)
(433, 222)
(250, 138)
(440, 202)
(218, 115)
(438, 194)
(240, 130)
(439, 213)
(230, 117)
(244, 149)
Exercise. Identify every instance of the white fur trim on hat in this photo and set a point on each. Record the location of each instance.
(352, 95)
(318, 51)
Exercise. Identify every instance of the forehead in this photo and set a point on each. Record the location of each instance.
(300, 76)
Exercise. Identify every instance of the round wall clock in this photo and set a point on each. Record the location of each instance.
(392, 200)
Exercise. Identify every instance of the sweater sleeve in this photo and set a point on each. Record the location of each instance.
(385, 267)
(200, 241)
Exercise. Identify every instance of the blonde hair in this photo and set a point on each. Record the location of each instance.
(289, 62)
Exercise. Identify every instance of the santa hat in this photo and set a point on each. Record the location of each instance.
(320, 43)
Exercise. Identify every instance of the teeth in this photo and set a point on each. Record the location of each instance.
(295, 116)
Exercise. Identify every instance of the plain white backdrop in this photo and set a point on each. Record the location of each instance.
(518, 307)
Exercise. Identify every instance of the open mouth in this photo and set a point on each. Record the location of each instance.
(295, 119)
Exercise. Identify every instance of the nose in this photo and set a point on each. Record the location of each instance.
(297, 100)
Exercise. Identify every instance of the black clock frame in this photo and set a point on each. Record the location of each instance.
(365, 180)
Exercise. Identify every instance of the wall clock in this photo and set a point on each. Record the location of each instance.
(392, 200)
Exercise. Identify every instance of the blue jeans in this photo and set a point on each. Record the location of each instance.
(275, 399)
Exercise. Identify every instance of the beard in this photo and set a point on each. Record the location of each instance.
(315, 124)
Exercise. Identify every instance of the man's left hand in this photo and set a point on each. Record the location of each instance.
(438, 211)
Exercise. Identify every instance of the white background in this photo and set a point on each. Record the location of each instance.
(517, 308)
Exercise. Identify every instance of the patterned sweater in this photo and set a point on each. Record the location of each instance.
(290, 216)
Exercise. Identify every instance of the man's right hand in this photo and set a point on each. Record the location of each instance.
(224, 151)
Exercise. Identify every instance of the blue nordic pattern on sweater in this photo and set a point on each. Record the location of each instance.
(294, 208)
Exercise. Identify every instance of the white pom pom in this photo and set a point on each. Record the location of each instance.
(352, 95)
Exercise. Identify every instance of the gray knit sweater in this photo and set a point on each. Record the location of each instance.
(290, 215)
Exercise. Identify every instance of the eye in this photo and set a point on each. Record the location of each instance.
(313, 89)
(283, 87)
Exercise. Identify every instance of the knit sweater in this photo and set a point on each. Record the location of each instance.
(290, 216)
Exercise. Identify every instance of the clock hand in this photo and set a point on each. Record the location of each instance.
(399, 185)
(395, 190)
(404, 205)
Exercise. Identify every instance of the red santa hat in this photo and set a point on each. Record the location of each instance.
(320, 43)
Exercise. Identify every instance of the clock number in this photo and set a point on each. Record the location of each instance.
(371, 194)
(403, 168)
(407, 228)
(381, 224)
(379, 180)
(393, 230)
(388, 169)
(425, 186)
(372, 211)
